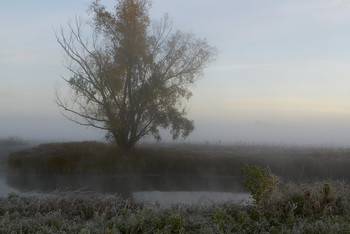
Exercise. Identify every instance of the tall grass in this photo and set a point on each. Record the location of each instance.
(322, 207)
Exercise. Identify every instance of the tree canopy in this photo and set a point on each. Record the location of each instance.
(129, 75)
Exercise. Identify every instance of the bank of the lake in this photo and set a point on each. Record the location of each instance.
(176, 166)
(322, 207)
(164, 191)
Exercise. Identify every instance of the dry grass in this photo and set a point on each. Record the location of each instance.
(325, 198)
(305, 208)
(77, 212)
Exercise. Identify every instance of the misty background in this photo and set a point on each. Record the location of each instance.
(282, 75)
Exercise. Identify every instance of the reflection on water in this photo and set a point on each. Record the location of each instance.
(184, 197)
(123, 183)
(4, 188)
(163, 198)
(144, 188)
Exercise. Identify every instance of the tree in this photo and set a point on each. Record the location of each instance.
(130, 76)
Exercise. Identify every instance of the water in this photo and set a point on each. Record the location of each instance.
(163, 198)
(4, 188)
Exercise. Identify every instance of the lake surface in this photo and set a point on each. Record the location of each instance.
(26, 185)
(5, 188)
(4, 152)
(163, 198)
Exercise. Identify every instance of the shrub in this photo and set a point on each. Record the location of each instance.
(260, 183)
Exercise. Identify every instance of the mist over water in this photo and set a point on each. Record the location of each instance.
(250, 121)
(329, 131)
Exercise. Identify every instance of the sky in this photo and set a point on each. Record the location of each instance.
(282, 75)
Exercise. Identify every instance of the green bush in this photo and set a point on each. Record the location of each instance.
(176, 222)
(260, 183)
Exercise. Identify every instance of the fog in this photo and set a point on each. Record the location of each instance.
(281, 76)
(324, 130)
(218, 118)
(276, 96)
(216, 121)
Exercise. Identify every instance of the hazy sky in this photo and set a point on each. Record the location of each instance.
(282, 74)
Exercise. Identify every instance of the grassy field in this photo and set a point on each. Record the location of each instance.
(289, 208)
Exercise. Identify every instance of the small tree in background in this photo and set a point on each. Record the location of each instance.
(132, 75)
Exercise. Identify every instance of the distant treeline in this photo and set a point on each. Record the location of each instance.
(12, 141)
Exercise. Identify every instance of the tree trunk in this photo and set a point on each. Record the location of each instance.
(123, 144)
